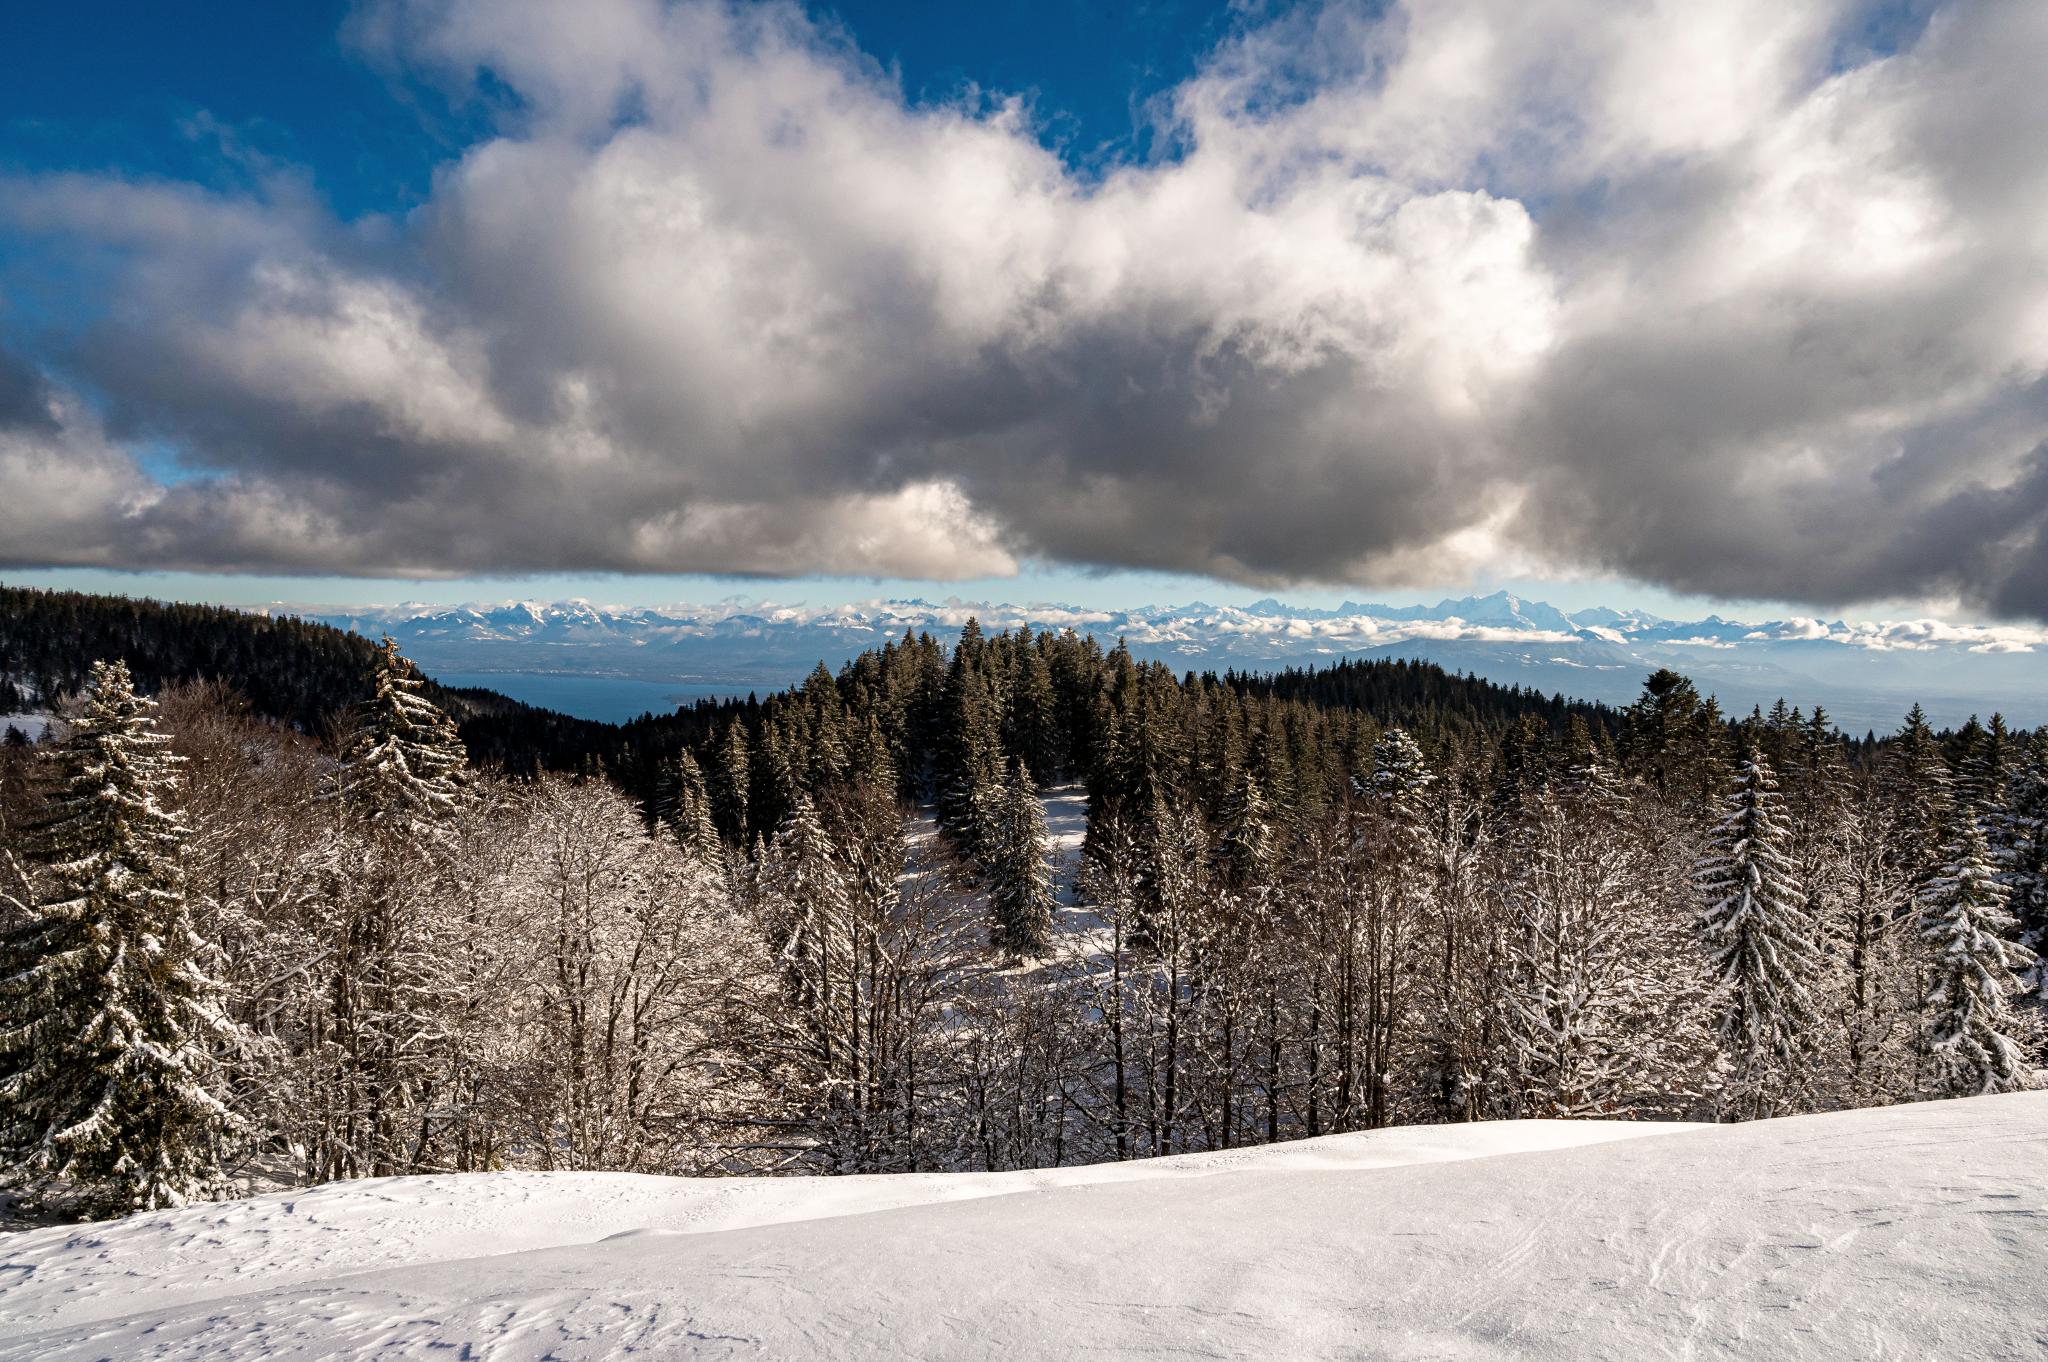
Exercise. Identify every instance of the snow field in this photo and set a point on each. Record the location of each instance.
(76, 1274)
(1907, 1232)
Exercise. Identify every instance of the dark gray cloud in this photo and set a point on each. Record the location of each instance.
(24, 396)
(1664, 290)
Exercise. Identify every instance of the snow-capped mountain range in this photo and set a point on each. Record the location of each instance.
(1865, 673)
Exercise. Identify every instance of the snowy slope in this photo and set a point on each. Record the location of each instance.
(1910, 1232)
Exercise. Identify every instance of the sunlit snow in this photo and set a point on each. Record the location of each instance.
(1908, 1232)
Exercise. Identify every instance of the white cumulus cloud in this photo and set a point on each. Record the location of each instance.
(1733, 298)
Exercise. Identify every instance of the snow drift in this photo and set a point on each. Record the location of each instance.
(1905, 1232)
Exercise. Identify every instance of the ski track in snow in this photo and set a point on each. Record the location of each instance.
(1899, 1233)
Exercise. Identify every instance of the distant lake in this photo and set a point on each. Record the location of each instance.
(610, 699)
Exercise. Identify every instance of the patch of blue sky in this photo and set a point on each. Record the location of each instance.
(1090, 72)
(167, 464)
(1877, 30)
(197, 93)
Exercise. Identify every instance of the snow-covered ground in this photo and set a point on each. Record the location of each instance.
(1908, 1232)
(1066, 825)
(1078, 929)
(33, 723)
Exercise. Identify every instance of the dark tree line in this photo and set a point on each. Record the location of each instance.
(307, 675)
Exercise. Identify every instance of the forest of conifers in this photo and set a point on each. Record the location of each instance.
(244, 949)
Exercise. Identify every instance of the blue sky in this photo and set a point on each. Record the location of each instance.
(1310, 294)
(142, 87)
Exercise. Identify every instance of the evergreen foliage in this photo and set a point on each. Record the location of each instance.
(1756, 927)
(1971, 1029)
(108, 1022)
(1922, 785)
(388, 863)
(1020, 888)
(403, 763)
(1048, 697)
(2020, 828)
(1245, 840)
(298, 672)
(1401, 781)
(684, 809)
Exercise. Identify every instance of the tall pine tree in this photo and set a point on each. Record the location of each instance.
(107, 1076)
(1020, 892)
(404, 761)
(386, 871)
(1755, 923)
(2021, 838)
(1245, 842)
(683, 806)
(1971, 1031)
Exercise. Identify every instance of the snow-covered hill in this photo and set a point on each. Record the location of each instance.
(1908, 1232)
(1867, 674)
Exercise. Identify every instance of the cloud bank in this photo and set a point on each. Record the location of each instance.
(1746, 299)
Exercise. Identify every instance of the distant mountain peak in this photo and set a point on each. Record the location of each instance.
(1597, 652)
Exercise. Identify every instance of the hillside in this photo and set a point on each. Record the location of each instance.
(1908, 1232)
(301, 673)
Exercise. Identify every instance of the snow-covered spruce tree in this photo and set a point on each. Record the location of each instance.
(803, 901)
(1246, 846)
(108, 1081)
(387, 887)
(869, 761)
(404, 761)
(1980, 755)
(1569, 955)
(1400, 783)
(1178, 921)
(1972, 1033)
(2020, 844)
(1762, 940)
(1668, 738)
(819, 754)
(803, 905)
(969, 794)
(1035, 715)
(1262, 937)
(1822, 850)
(1019, 872)
(1235, 989)
(773, 782)
(837, 1023)
(731, 765)
(1372, 896)
(1918, 780)
(683, 806)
